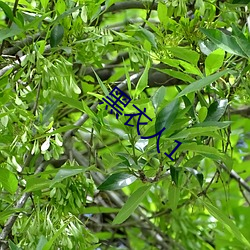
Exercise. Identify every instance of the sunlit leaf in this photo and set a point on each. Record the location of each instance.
(8, 180)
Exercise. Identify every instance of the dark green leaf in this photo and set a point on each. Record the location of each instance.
(56, 35)
(174, 172)
(223, 41)
(166, 116)
(8, 180)
(117, 181)
(7, 10)
(245, 2)
(198, 175)
(216, 110)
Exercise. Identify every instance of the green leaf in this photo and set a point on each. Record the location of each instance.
(186, 54)
(202, 114)
(98, 210)
(13, 246)
(197, 85)
(158, 97)
(35, 183)
(173, 196)
(174, 172)
(41, 243)
(117, 181)
(198, 175)
(162, 12)
(9, 32)
(227, 223)
(245, 2)
(219, 125)
(7, 10)
(70, 101)
(166, 116)
(193, 132)
(56, 35)
(206, 151)
(177, 74)
(104, 89)
(143, 81)
(216, 110)
(214, 61)
(223, 41)
(49, 244)
(8, 180)
(132, 203)
(66, 172)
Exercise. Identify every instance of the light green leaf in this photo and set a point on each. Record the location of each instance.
(173, 196)
(70, 101)
(35, 183)
(143, 81)
(186, 54)
(41, 243)
(162, 12)
(227, 223)
(8, 180)
(197, 85)
(132, 203)
(49, 244)
(214, 61)
(98, 210)
(158, 97)
(104, 89)
(66, 172)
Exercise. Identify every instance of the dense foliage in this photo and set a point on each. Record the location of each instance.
(75, 176)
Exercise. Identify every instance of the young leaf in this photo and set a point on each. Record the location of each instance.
(117, 181)
(56, 35)
(8, 180)
(143, 81)
(186, 54)
(166, 116)
(214, 61)
(104, 89)
(132, 203)
(49, 244)
(67, 172)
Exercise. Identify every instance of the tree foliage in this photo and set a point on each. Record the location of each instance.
(75, 176)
